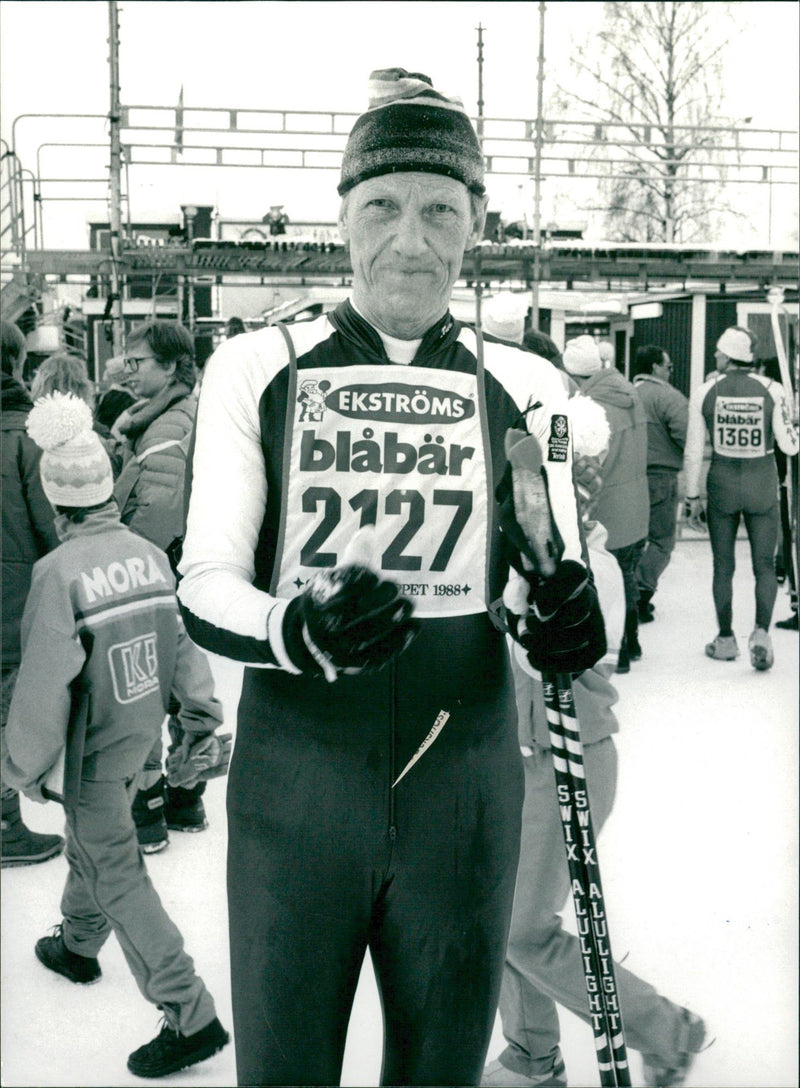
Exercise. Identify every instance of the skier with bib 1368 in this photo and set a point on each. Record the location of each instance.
(744, 414)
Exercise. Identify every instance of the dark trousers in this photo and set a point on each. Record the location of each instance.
(326, 860)
(628, 559)
(663, 489)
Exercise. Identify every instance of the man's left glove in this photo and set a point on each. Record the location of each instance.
(556, 620)
(199, 757)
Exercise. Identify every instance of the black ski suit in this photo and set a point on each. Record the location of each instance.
(326, 857)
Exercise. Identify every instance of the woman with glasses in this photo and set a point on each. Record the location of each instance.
(160, 372)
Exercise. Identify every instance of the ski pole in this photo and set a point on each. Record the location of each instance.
(534, 516)
(584, 872)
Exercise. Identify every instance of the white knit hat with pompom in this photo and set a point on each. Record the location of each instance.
(74, 468)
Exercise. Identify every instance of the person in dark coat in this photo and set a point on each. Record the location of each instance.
(28, 534)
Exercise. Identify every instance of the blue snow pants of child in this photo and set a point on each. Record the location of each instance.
(108, 889)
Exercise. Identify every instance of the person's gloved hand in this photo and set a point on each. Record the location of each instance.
(696, 514)
(199, 757)
(556, 620)
(347, 620)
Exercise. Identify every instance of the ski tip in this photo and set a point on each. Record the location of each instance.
(523, 450)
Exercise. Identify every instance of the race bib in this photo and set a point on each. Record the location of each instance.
(400, 449)
(739, 427)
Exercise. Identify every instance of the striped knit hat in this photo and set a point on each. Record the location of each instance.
(411, 127)
(74, 468)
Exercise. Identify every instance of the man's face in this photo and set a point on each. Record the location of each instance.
(407, 234)
(721, 359)
(665, 368)
(144, 376)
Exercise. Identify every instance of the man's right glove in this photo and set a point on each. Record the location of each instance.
(556, 620)
(347, 620)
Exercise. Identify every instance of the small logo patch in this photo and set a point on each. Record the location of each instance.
(134, 668)
(559, 438)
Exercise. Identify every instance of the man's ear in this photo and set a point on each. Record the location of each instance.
(342, 221)
(478, 206)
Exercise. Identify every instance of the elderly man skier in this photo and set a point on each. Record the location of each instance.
(349, 555)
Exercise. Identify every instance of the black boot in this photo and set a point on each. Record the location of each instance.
(624, 661)
(644, 608)
(148, 815)
(632, 634)
(53, 953)
(21, 846)
(185, 810)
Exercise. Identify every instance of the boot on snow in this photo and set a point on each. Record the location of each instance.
(148, 815)
(723, 648)
(184, 809)
(632, 634)
(54, 954)
(761, 653)
(171, 1051)
(20, 845)
(645, 609)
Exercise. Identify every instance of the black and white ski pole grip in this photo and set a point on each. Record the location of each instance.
(535, 519)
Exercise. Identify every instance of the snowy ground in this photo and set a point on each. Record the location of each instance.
(699, 864)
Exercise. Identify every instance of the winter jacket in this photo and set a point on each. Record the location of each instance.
(28, 531)
(102, 604)
(623, 505)
(149, 489)
(667, 411)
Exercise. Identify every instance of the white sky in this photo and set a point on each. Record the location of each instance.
(311, 55)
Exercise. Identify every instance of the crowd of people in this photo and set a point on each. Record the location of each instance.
(323, 510)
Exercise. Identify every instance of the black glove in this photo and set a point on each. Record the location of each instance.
(557, 620)
(347, 620)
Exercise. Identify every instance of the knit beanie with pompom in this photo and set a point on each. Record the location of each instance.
(409, 126)
(74, 467)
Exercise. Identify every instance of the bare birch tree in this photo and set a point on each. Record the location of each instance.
(654, 88)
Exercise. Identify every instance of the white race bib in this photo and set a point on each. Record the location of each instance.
(400, 449)
(739, 426)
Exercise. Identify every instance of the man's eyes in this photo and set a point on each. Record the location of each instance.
(385, 204)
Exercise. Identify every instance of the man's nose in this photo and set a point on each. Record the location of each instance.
(409, 238)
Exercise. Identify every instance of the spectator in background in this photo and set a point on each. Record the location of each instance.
(667, 411)
(623, 506)
(276, 219)
(67, 373)
(607, 354)
(503, 316)
(234, 327)
(541, 344)
(743, 414)
(159, 364)
(28, 533)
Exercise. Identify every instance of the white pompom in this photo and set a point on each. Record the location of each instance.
(590, 428)
(58, 418)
